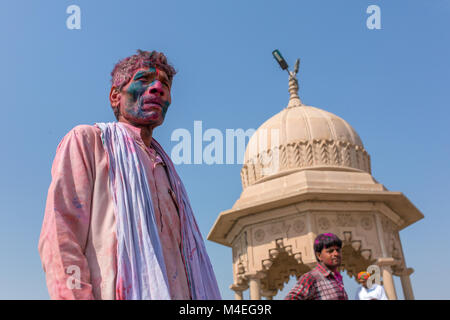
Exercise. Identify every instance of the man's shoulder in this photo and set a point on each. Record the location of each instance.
(311, 275)
(85, 129)
(83, 133)
(319, 271)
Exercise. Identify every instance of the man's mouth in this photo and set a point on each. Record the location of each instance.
(148, 104)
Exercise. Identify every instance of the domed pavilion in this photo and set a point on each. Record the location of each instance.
(306, 172)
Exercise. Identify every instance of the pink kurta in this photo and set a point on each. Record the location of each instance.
(79, 230)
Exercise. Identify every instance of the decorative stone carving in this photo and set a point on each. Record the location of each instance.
(285, 227)
(279, 243)
(284, 160)
(273, 253)
(336, 153)
(367, 223)
(347, 236)
(309, 156)
(279, 228)
(241, 268)
(346, 153)
(297, 152)
(345, 220)
(267, 264)
(323, 223)
(288, 249)
(240, 256)
(391, 239)
(275, 229)
(318, 152)
(366, 253)
(241, 280)
(356, 244)
(259, 235)
(299, 226)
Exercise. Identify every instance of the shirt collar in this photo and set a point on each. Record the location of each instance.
(326, 272)
(135, 133)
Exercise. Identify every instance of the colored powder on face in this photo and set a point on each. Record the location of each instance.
(137, 89)
(145, 72)
(165, 107)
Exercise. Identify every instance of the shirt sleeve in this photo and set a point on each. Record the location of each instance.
(303, 290)
(67, 215)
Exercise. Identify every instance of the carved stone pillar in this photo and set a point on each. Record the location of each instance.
(406, 284)
(388, 280)
(255, 287)
(238, 291)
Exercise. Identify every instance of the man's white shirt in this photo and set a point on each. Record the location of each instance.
(375, 292)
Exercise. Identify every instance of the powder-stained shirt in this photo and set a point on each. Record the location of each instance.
(319, 284)
(78, 244)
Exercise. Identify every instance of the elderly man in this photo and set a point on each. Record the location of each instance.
(118, 223)
(375, 292)
(324, 282)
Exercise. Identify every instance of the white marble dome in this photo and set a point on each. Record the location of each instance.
(299, 138)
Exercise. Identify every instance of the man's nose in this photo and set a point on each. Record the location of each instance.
(156, 88)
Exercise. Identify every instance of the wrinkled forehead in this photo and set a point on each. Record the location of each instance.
(160, 74)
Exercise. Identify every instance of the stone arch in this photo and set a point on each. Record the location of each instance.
(278, 271)
(355, 258)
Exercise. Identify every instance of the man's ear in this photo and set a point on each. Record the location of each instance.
(114, 97)
(318, 256)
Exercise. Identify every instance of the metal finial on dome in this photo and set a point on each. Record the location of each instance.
(294, 99)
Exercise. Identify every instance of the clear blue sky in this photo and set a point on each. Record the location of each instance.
(391, 85)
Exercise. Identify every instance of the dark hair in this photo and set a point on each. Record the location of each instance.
(326, 240)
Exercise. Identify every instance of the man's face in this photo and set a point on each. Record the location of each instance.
(144, 100)
(331, 257)
(362, 281)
